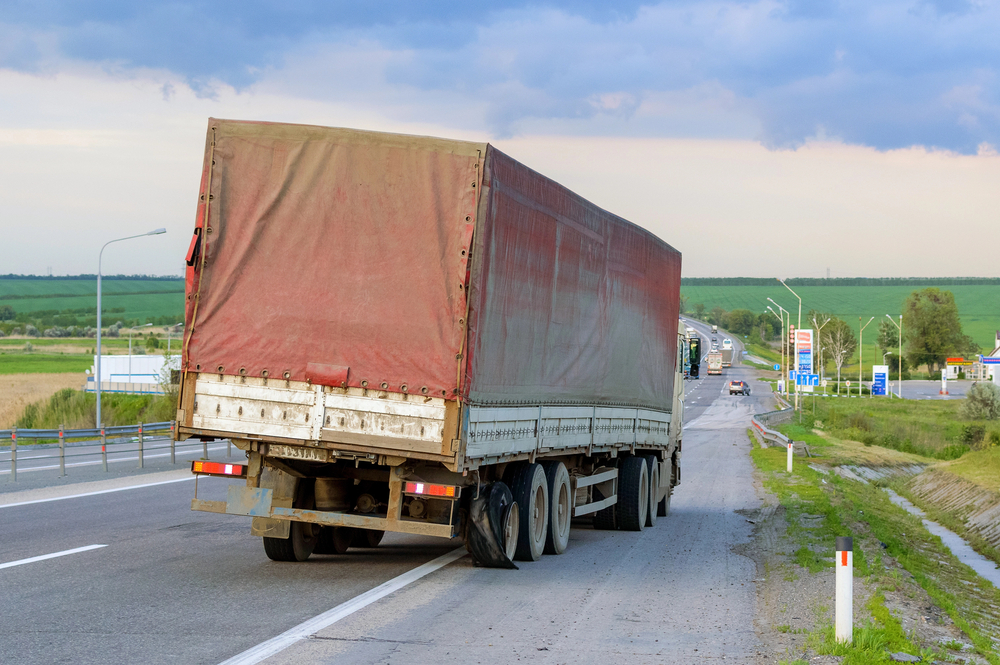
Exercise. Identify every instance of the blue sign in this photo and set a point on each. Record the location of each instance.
(805, 361)
(879, 383)
(805, 379)
(987, 360)
(776, 367)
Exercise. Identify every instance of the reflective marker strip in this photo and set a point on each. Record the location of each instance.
(43, 557)
(274, 645)
(843, 558)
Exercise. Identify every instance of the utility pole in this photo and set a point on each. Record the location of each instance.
(899, 392)
(861, 350)
(795, 345)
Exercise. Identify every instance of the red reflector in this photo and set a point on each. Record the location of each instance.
(843, 558)
(430, 490)
(217, 469)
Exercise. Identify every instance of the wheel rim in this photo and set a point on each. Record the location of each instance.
(538, 516)
(562, 510)
(510, 528)
(643, 500)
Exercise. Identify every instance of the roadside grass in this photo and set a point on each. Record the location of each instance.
(820, 507)
(981, 467)
(74, 409)
(44, 363)
(929, 428)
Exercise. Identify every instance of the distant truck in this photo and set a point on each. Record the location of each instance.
(715, 329)
(727, 356)
(714, 361)
(424, 336)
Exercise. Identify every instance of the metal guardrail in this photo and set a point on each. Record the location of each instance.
(137, 432)
(761, 424)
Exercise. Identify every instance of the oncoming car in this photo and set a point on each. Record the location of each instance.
(739, 387)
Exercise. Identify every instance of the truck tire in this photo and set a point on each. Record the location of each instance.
(367, 538)
(653, 465)
(334, 539)
(663, 507)
(633, 494)
(561, 502)
(297, 547)
(493, 527)
(531, 493)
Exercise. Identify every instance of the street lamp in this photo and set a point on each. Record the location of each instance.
(782, 333)
(130, 331)
(100, 255)
(170, 331)
(819, 345)
(900, 375)
(799, 327)
(784, 341)
(861, 351)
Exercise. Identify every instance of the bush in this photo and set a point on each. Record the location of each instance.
(31, 331)
(972, 434)
(152, 343)
(982, 402)
(28, 347)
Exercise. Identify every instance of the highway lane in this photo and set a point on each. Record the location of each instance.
(173, 585)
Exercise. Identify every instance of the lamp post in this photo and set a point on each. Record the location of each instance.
(100, 256)
(861, 351)
(899, 392)
(798, 327)
(782, 333)
(784, 341)
(170, 331)
(819, 344)
(130, 331)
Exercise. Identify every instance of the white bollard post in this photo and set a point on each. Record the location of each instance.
(789, 456)
(844, 608)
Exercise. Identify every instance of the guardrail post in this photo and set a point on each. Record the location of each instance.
(104, 448)
(789, 456)
(172, 458)
(204, 449)
(140, 445)
(62, 452)
(13, 454)
(844, 606)
(229, 448)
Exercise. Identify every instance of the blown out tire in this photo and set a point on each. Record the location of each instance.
(633, 494)
(530, 488)
(561, 504)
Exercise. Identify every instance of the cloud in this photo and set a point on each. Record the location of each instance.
(883, 74)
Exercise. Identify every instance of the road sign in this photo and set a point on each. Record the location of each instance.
(848, 383)
(792, 374)
(804, 379)
(804, 354)
(823, 383)
(987, 360)
(880, 376)
(777, 366)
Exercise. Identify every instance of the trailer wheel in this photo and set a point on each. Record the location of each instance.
(334, 539)
(663, 507)
(561, 502)
(531, 493)
(491, 536)
(633, 494)
(297, 547)
(367, 538)
(654, 488)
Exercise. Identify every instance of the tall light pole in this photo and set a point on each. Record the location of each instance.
(861, 351)
(782, 333)
(784, 341)
(795, 346)
(899, 325)
(100, 256)
(819, 343)
(170, 331)
(130, 331)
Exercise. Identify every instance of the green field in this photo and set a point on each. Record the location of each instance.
(131, 299)
(43, 363)
(978, 305)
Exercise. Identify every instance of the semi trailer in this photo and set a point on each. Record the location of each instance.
(423, 336)
(714, 362)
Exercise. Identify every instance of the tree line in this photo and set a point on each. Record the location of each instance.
(932, 331)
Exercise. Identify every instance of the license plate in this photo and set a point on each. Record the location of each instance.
(297, 452)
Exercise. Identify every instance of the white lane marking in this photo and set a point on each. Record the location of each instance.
(77, 496)
(11, 564)
(179, 453)
(312, 626)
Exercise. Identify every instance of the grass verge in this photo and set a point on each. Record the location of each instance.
(822, 506)
(75, 410)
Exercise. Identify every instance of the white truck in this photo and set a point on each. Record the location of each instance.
(714, 361)
(424, 336)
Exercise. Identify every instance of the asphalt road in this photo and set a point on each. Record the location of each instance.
(173, 586)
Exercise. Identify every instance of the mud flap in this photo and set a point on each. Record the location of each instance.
(488, 516)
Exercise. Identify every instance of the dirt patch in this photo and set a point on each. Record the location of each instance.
(19, 390)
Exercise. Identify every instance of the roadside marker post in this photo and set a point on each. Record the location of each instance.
(13, 454)
(140, 445)
(104, 448)
(62, 453)
(844, 605)
(789, 456)
(172, 456)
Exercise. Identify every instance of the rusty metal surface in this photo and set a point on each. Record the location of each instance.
(254, 501)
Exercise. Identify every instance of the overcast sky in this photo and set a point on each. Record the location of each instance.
(759, 138)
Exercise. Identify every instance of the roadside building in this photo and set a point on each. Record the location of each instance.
(144, 374)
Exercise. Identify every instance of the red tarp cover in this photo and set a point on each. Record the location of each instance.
(570, 303)
(332, 249)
